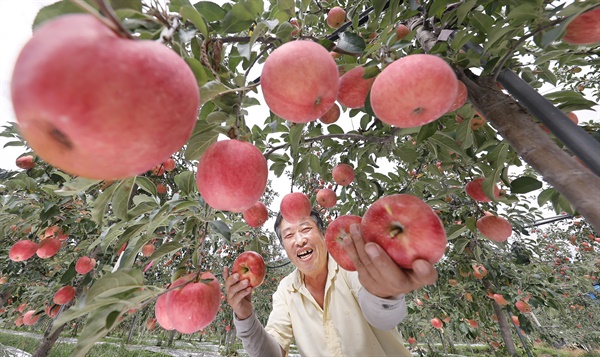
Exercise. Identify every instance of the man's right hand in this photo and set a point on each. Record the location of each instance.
(239, 294)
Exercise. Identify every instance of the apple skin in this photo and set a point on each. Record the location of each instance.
(336, 17)
(160, 311)
(52, 311)
(334, 239)
(295, 207)
(343, 174)
(148, 249)
(25, 162)
(332, 115)
(22, 250)
(413, 91)
(461, 97)
(584, 29)
(85, 265)
(194, 306)
(474, 189)
(30, 318)
(48, 248)
(436, 322)
(300, 81)
(326, 197)
(64, 295)
(495, 228)
(250, 266)
(169, 165)
(232, 175)
(81, 93)
(402, 31)
(354, 88)
(406, 228)
(256, 215)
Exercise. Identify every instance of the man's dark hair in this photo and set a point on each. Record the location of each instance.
(314, 215)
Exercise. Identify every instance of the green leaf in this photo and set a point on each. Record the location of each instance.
(203, 136)
(211, 90)
(546, 196)
(68, 275)
(186, 182)
(221, 228)
(76, 186)
(165, 249)
(211, 11)
(351, 43)
(456, 231)
(57, 9)
(378, 7)
(335, 129)
(525, 184)
(565, 205)
(190, 13)
(427, 131)
(287, 6)
(120, 200)
(101, 203)
(295, 137)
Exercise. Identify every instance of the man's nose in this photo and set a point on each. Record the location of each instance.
(299, 238)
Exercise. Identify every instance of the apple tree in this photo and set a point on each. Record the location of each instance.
(498, 129)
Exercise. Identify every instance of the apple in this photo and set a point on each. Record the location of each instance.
(232, 175)
(161, 189)
(299, 81)
(414, 90)
(515, 320)
(406, 228)
(343, 174)
(250, 266)
(461, 97)
(148, 249)
(479, 271)
(256, 215)
(523, 306)
(85, 265)
(401, 31)
(195, 305)
(495, 228)
(331, 116)
(295, 207)
(48, 248)
(296, 27)
(476, 122)
(25, 162)
(473, 323)
(469, 297)
(326, 197)
(3, 280)
(21, 307)
(354, 88)
(158, 170)
(500, 300)
(474, 189)
(52, 311)
(169, 165)
(412, 340)
(452, 282)
(584, 29)
(436, 322)
(64, 295)
(19, 321)
(160, 311)
(150, 324)
(336, 17)
(30, 318)
(334, 239)
(22, 250)
(88, 119)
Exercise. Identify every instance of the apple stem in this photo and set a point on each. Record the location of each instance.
(396, 229)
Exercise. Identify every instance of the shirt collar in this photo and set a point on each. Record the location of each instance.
(298, 280)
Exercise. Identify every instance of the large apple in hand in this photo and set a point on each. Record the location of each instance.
(334, 239)
(98, 105)
(406, 228)
(232, 175)
(294, 207)
(300, 81)
(413, 91)
(250, 266)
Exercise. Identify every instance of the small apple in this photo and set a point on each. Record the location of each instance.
(473, 323)
(343, 174)
(25, 162)
(436, 322)
(401, 31)
(475, 190)
(295, 207)
(48, 248)
(326, 197)
(52, 311)
(169, 165)
(523, 306)
(336, 17)
(232, 175)
(334, 239)
(250, 266)
(22, 250)
(500, 300)
(331, 116)
(412, 340)
(476, 122)
(296, 27)
(495, 228)
(515, 320)
(354, 88)
(584, 29)
(256, 215)
(406, 227)
(64, 295)
(148, 249)
(30, 318)
(161, 189)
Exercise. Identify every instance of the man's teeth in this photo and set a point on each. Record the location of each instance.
(305, 254)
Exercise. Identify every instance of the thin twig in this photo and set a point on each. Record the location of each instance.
(110, 14)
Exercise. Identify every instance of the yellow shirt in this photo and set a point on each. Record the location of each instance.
(337, 329)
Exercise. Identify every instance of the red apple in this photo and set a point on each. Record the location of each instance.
(412, 340)
(21, 307)
(515, 320)
(495, 228)
(151, 324)
(256, 215)
(194, 306)
(334, 239)
(475, 190)
(232, 175)
(85, 265)
(295, 207)
(250, 266)
(476, 122)
(523, 306)
(169, 165)
(22, 250)
(473, 323)
(343, 174)
(461, 97)
(336, 17)
(299, 81)
(160, 311)
(85, 124)
(161, 189)
(406, 228)
(331, 116)
(437, 323)
(296, 27)
(500, 300)
(48, 248)
(148, 249)
(25, 162)
(326, 197)
(354, 88)
(64, 295)
(19, 321)
(30, 318)
(52, 311)
(584, 29)
(413, 91)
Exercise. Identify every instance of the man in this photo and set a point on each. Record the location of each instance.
(327, 310)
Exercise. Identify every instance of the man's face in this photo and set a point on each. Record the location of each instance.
(304, 245)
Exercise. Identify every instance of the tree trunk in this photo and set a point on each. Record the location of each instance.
(574, 181)
(133, 324)
(505, 330)
(171, 336)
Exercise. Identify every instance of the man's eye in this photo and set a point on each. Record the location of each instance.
(307, 229)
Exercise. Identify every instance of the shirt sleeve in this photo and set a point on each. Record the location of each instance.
(381, 313)
(257, 342)
(279, 324)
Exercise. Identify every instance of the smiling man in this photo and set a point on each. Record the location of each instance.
(327, 310)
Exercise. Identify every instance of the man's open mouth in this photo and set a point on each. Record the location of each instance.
(305, 254)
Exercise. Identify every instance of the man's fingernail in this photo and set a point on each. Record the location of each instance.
(372, 250)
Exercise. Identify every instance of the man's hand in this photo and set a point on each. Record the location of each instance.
(239, 294)
(379, 274)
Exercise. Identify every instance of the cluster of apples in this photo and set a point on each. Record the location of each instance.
(50, 243)
(494, 227)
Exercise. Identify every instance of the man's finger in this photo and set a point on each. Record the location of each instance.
(424, 273)
(359, 246)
